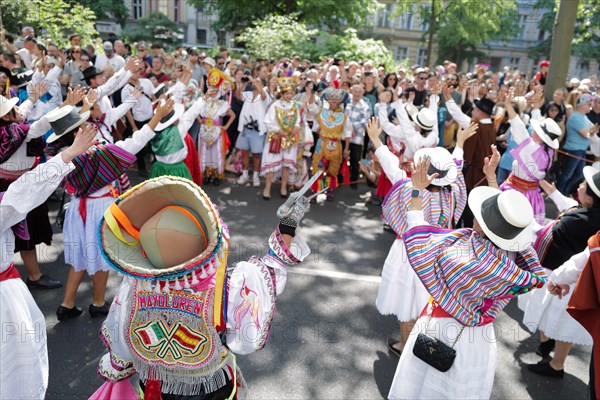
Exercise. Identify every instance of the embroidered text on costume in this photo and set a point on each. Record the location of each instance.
(169, 300)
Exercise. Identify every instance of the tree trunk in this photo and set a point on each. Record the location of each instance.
(431, 32)
(1, 33)
(562, 39)
(290, 6)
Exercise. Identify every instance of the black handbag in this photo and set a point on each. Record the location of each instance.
(433, 351)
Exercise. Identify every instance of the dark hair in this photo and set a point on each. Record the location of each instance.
(10, 57)
(593, 195)
(4, 122)
(387, 76)
(155, 46)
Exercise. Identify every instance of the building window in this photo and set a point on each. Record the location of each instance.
(385, 14)
(405, 20)
(222, 38)
(542, 35)
(422, 57)
(424, 20)
(202, 36)
(523, 25)
(176, 10)
(515, 62)
(137, 11)
(582, 67)
(401, 53)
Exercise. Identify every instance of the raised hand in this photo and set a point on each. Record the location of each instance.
(464, 134)
(84, 139)
(38, 91)
(420, 178)
(489, 167)
(133, 64)
(447, 92)
(548, 187)
(374, 129)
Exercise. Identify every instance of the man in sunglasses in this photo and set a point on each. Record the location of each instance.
(419, 87)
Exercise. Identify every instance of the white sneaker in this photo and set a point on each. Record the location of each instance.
(242, 180)
(256, 181)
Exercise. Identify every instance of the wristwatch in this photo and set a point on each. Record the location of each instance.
(416, 193)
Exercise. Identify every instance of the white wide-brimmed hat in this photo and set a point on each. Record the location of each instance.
(442, 163)
(548, 130)
(170, 118)
(505, 217)
(411, 110)
(64, 120)
(592, 178)
(425, 119)
(7, 104)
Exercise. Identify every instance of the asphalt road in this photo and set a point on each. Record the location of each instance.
(328, 340)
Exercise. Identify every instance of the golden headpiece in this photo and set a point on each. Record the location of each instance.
(286, 84)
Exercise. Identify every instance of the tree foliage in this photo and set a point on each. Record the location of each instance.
(586, 41)
(13, 15)
(235, 15)
(57, 20)
(461, 26)
(156, 28)
(278, 36)
(106, 9)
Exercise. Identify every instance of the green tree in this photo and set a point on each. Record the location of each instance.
(12, 15)
(585, 39)
(57, 20)
(156, 28)
(106, 9)
(461, 26)
(278, 36)
(235, 14)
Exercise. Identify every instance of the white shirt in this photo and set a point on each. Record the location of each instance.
(116, 61)
(142, 110)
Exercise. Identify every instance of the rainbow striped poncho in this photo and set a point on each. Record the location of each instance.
(468, 276)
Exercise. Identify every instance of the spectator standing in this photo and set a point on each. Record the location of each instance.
(109, 57)
(359, 112)
(579, 131)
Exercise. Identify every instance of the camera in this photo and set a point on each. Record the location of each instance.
(245, 79)
(180, 68)
(336, 61)
(368, 73)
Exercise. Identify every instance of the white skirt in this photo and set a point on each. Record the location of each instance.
(23, 351)
(401, 292)
(275, 162)
(471, 375)
(82, 249)
(548, 313)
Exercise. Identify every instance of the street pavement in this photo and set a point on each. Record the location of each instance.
(328, 340)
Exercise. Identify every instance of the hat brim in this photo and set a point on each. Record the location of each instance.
(54, 137)
(178, 109)
(537, 127)
(588, 174)
(442, 160)
(10, 104)
(142, 202)
(518, 243)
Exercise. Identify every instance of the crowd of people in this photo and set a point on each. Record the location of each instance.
(456, 160)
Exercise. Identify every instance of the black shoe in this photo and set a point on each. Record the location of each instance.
(313, 200)
(98, 311)
(284, 196)
(64, 312)
(216, 182)
(545, 369)
(44, 283)
(142, 173)
(354, 186)
(545, 348)
(390, 345)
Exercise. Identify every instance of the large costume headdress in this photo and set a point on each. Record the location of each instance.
(286, 85)
(216, 79)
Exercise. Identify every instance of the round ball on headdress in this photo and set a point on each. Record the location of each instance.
(173, 236)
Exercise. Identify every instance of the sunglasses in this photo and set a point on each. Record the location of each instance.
(85, 59)
(141, 49)
(76, 51)
(422, 79)
(221, 63)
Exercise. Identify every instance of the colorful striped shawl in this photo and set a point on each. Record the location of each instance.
(98, 167)
(444, 214)
(467, 275)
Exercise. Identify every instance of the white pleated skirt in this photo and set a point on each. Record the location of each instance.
(23, 351)
(470, 377)
(82, 249)
(401, 292)
(548, 313)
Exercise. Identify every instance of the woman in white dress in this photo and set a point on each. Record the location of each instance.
(24, 357)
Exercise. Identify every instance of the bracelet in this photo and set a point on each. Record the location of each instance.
(288, 222)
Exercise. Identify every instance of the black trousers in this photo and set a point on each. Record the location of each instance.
(141, 162)
(355, 157)
(592, 385)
